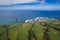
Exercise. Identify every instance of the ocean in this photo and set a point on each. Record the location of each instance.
(9, 16)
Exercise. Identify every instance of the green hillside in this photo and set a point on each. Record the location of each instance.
(30, 31)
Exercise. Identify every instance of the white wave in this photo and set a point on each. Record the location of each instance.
(29, 20)
(40, 19)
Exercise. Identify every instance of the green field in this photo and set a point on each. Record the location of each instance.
(34, 31)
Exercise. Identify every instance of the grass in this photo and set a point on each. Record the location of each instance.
(20, 32)
(54, 34)
(3, 33)
(3, 37)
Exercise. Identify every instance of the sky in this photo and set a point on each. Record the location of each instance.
(3, 2)
(44, 4)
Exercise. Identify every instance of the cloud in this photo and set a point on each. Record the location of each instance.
(23, 1)
(42, 1)
(32, 7)
(8, 2)
(3, 2)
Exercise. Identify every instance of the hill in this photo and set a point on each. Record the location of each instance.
(31, 31)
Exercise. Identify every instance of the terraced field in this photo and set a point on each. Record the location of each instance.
(30, 31)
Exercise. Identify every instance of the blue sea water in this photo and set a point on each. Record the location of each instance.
(9, 16)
